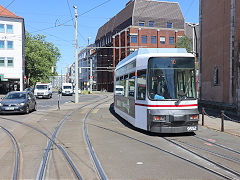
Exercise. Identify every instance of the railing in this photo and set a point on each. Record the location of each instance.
(222, 116)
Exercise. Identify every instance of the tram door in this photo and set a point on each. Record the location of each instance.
(141, 115)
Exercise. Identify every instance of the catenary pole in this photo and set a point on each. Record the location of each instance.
(91, 74)
(76, 57)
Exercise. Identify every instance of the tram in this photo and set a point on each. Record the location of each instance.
(158, 91)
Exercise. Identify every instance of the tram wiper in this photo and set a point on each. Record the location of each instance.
(182, 96)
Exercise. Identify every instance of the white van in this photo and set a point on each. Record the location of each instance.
(119, 90)
(43, 90)
(67, 89)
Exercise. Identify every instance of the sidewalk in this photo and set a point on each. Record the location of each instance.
(230, 127)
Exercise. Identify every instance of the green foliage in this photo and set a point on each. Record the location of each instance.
(40, 56)
(184, 42)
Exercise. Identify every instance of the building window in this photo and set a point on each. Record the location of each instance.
(153, 39)
(171, 40)
(141, 23)
(2, 44)
(133, 38)
(144, 39)
(169, 25)
(2, 28)
(216, 76)
(2, 62)
(10, 62)
(151, 23)
(10, 44)
(162, 40)
(9, 28)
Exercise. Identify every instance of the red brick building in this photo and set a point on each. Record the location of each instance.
(220, 52)
(142, 23)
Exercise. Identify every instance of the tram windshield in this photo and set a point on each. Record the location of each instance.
(171, 78)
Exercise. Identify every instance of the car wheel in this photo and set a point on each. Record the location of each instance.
(27, 110)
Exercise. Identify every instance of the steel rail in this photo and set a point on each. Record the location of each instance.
(237, 174)
(211, 152)
(216, 144)
(167, 152)
(16, 149)
(40, 131)
(51, 142)
(97, 164)
(70, 162)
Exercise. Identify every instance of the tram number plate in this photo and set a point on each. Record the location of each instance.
(192, 128)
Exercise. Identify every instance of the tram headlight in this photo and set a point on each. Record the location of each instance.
(159, 118)
(194, 117)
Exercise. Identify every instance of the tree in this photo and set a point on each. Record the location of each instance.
(184, 42)
(40, 56)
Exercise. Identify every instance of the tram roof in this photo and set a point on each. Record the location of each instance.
(142, 51)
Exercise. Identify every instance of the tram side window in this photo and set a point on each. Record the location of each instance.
(141, 85)
(131, 90)
(121, 86)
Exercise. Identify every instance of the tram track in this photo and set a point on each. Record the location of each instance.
(51, 143)
(218, 145)
(17, 156)
(213, 167)
(167, 152)
(233, 159)
(226, 169)
(95, 160)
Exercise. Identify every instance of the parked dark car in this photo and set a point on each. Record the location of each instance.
(21, 102)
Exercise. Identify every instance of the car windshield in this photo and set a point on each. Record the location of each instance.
(28, 89)
(67, 87)
(119, 89)
(15, 96)
(170, 76)
(41, 87)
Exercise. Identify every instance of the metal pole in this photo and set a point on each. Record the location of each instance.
(91, 76)
(76, 57)
(193, 41)
(222, 121)
(203, 112)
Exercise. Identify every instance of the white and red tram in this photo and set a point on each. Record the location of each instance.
(158, 90)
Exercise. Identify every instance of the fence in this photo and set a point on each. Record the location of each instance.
(222, 116)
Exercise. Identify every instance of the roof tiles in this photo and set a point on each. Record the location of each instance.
(6, 13)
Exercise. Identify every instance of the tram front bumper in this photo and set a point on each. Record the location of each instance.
(174, 121)
(169, 129)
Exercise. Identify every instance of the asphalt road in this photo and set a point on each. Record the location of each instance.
(44, 104)
(122, 151)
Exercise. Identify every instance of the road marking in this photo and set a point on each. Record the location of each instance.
(208, 144)
(95, 111)
(212, 140)
(139, 163)
(84, 111)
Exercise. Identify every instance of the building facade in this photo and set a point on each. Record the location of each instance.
(84, 57)
(58, 80)
(220, 52)
(12, 61)
(142, 23)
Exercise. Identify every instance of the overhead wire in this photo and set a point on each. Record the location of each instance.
(7, 6)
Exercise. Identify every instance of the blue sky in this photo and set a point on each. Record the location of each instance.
(43, 14)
